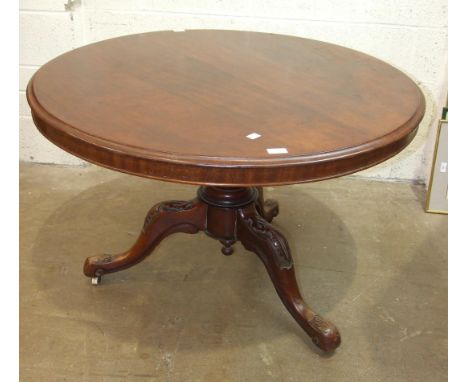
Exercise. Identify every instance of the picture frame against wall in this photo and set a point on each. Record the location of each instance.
(437, 195)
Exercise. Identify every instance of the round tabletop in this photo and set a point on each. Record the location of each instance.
(225, 107)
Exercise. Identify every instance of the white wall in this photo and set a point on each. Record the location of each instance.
(411, 35)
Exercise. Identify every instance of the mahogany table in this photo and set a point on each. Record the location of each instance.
(230, 111)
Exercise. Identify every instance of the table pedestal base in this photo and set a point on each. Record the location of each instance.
(228, 215)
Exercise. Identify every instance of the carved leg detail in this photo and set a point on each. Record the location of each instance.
(162, 220)
(258, 236)
(267, 209)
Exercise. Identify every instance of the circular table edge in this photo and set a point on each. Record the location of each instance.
(201, 170)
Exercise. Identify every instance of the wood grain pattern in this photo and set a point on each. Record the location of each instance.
(178, 107)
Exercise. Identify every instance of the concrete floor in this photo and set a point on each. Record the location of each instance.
(367, 257)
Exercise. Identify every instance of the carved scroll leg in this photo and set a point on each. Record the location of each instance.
(162, 220)
(267, 209)
(260, 237)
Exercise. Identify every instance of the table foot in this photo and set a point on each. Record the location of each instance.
(260, 237)
(267, 209)
(161, 221)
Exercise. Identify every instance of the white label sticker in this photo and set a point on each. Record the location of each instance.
(280, 150)
(253, 136)
(443, 167)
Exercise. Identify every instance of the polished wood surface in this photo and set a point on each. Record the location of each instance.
(228, 215)
(178, 106)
